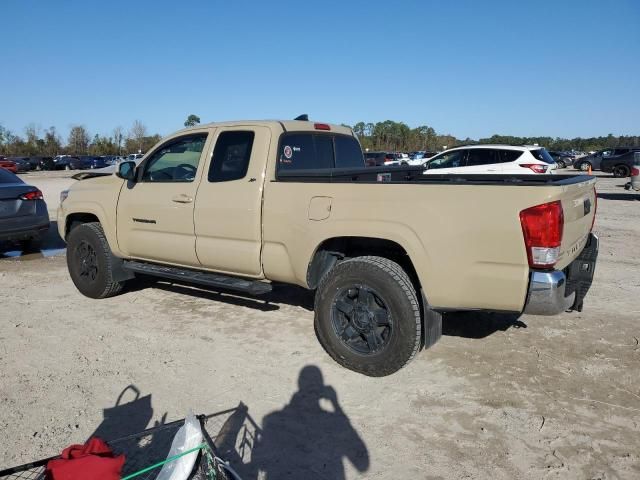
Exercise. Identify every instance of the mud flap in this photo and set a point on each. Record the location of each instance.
(580, 272)
(431, 324)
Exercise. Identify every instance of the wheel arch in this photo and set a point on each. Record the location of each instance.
(331, 250)
(85, 214)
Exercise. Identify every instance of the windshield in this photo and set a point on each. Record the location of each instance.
(542, 155)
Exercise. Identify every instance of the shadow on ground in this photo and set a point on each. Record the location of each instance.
(50, 245)
(479, 324)
(310, 437)
(619, 196)
(281, 294)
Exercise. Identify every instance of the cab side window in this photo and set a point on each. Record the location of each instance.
(231, 156)
(175, 161)
(448, 160)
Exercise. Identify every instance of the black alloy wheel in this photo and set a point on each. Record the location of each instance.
(361, 319)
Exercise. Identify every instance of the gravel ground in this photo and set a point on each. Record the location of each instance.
(498, 397)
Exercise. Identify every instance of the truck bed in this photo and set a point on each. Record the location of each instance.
(414, 175)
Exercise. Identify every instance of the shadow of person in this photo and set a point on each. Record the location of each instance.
(306, 440)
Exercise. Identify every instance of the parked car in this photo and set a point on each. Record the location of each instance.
(420, 158)
(132, 157)
(619, 165)
(62, 162)
(97, 162)
(594, 160)
(9, 165)
(113, 159)
(82, 162)
(23, 212)
(41, 163)
(396, 159)
(45, 163)
(22, 164)
(562, 159)
(375, 159)
(503, 159)
(634, 181)
(383, 274)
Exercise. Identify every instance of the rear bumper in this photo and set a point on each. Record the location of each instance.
(22, 228)
(556, 291)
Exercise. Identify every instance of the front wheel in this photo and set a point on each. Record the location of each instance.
(367, 316)
(621, 171)
(561, 164)
(90, 262)
(585, 166)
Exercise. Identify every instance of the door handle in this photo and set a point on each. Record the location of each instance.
(182, 198)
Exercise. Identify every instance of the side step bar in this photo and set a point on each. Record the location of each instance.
(217, 280)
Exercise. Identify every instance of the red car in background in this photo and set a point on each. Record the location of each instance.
(8, 165)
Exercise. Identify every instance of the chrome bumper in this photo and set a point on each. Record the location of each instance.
(553, 292)
(546, 294)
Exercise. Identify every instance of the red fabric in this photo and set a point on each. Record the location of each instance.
(92, 461)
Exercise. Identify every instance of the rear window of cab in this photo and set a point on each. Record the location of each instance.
(309, 151)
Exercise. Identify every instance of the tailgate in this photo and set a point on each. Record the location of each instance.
(579, 208)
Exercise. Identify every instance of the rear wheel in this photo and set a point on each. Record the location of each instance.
(90, 262)
(367, 316)
(621, 171)
(561, 164)
(584, 166)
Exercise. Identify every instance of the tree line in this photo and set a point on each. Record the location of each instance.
(398, 136)
(48, 142)
(385, 136)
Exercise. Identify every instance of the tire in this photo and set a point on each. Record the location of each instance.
(584, 166)
(67, 167)
(561, 164)
(90, 262)
(383, 313)
(621, 171)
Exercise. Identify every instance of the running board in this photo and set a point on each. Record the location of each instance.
(217, 280)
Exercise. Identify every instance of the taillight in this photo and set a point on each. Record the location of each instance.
(542, 227)
(535, 167)
(321, 126)
(37, 195)
(635, 172)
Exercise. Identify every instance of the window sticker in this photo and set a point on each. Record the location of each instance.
(288, 153)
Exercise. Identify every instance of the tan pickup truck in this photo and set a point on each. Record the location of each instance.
(240, 205)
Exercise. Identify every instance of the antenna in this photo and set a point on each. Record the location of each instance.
(303, 118)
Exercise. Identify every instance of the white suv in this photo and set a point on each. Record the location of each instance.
(504, 159)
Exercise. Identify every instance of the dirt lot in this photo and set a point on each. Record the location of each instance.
(497, 397)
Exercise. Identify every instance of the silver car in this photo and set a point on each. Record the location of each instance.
(23, 212)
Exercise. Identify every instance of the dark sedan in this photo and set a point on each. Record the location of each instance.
(82, 162)
(23, 212)
(98, 162)
(619, 165)
(562, 159)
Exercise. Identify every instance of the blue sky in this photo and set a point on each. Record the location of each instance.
(469, 68)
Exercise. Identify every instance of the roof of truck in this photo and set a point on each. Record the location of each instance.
(288, 125)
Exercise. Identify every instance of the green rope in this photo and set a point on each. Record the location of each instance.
(170, 459)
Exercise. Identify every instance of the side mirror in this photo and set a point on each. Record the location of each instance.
(127, 171)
